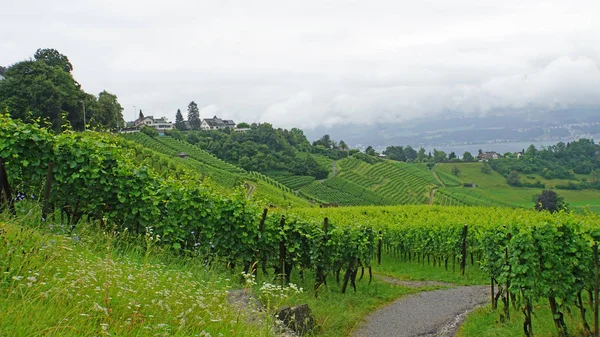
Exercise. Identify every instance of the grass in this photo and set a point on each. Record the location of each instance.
(471, 173)
(394, 267)
(485, 322)
(92, 283)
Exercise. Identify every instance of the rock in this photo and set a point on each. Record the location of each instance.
(298, 318)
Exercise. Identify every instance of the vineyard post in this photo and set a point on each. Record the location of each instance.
(596, 331)
(379, 249)
(48, 189)
(5, 186)
(282, 251)
(320, 277)
(463, 260)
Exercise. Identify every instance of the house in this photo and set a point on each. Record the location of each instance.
(520, 154)
(485, 156)
(216, 123)
(159, 124)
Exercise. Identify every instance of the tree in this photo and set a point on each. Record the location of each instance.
(439, 156)
(370, 151)
(455, 170)
(467, 156)
(395, 153)
(410, 153)
(150, 131)
(344, 147)
(110, 112)
(193, 115)
(54, 59)
(513, 179)
(141, 115)
(550, 201)
(243, 125)
(452, 156)
(33, 89)
(325, 141)
(486, 168)
(421, 155)
(179, 123)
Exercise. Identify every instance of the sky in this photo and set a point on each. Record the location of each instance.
(316, 62)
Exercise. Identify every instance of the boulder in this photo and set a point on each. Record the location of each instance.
(298, 318)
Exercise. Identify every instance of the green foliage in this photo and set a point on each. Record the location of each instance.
(193, 115)
(150, 131)
(264, 149)
(468, 157)
(44, 91)
(179, 122)
(550, 201)
(54, 59)
(370, 151)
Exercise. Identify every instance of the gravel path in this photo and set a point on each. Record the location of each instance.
(436, 313)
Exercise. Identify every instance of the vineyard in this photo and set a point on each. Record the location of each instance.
(531, 258)
(225, 176)
(382, 183)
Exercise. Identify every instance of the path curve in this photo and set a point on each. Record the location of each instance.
(436, 313)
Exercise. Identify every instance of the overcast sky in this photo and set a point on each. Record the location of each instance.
(316, 62)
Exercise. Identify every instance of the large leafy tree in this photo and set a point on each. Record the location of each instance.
(44, 89)
(54, 59)
(193, 115)
(110, 112)
(467, 156)
(550, 201)
(34, 89)
(179, 123)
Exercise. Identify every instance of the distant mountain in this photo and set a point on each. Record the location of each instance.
(525, 125)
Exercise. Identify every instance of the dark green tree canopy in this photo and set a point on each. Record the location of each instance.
(467, 156)
(53, 58)
(193, 115)
(33, 90)
(550, 201)
(44, 89)
(179, 122)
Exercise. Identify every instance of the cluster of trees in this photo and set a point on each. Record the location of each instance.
(409, 154)
(560, 161)
(44, 89)
(262, 148)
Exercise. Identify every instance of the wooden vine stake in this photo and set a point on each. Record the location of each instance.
(48, 190)
(5, 187)
(379, 243)
(282, 252)
(320, 274)
(463, 260)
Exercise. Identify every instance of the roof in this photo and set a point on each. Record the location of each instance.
(218, 122)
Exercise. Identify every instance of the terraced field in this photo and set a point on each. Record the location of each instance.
(296, 182)
(383, 183)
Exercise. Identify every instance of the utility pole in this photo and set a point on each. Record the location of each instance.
(83, 102)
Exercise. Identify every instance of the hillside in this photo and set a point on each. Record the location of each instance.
(225, 177)
(492, 190)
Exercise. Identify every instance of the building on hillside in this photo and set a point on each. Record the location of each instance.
(216, 123)
(485, 156)
(160, 124)
(520, 154)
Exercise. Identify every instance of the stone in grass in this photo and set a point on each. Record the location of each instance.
(298, 318)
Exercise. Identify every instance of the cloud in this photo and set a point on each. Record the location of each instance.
(313, 62)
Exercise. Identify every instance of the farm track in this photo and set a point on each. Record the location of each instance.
(430, 313)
